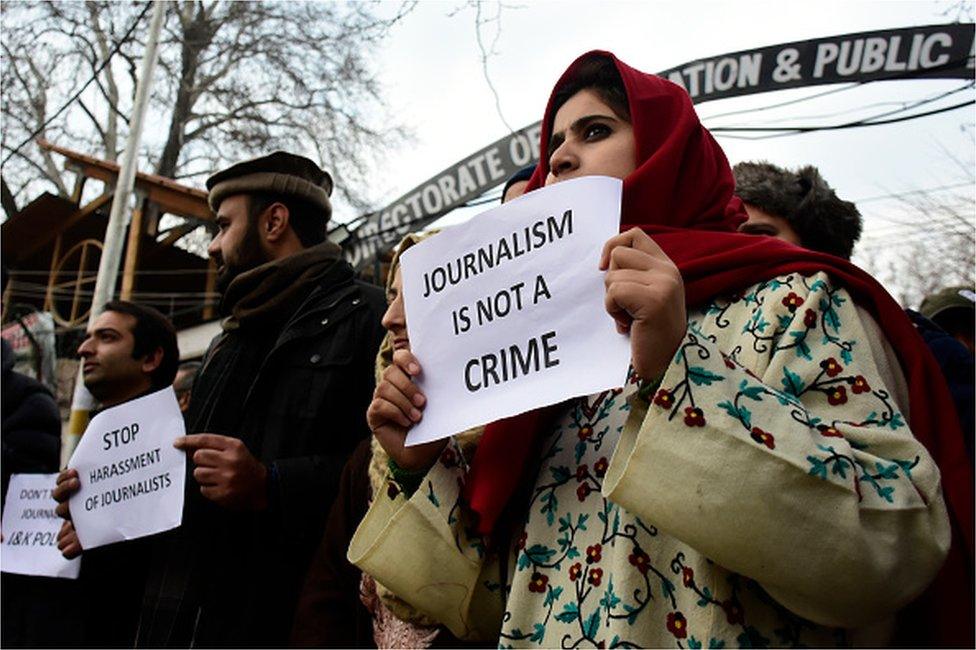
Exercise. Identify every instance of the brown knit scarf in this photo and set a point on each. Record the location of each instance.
(270, 291)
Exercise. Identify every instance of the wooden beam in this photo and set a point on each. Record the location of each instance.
(88, 209)
(85, 211)
(78, 189)
(55, 259)
(170, 200)
(178, 203)
(132, 252)
(177, 233)
(77, 297)
(172, 197)
(85, 279)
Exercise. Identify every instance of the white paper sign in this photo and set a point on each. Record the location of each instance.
(131, 475)
(506, 313)
(30, 530)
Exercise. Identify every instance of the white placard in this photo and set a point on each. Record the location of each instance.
(131, 475)
(506, 313)
(30, 530)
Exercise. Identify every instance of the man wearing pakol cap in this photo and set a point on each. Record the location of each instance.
(946, 322)
(277, 408)
(954, 310)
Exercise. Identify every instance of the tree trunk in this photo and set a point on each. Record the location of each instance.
(197, 36)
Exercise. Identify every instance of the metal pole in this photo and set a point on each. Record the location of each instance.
(108, 267)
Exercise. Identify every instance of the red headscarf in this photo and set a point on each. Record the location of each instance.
(683, 182)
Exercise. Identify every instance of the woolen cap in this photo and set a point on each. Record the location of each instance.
(280, 173)
(948, 298)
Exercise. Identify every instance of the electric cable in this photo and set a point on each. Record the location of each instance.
(903, 106)
(779, 132)
(74, 97)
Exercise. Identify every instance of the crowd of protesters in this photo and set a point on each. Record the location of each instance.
(678, 512)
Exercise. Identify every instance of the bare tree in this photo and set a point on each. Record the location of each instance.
(931, 244)
(960, 11)
(238, 79)
(488, 24)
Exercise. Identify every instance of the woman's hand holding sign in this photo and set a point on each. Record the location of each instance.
(646, 296)
(397, 405)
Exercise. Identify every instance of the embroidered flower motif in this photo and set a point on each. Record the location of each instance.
(687, 576)
(677, 625)
(581, 472)
(595, 577)
(600, 467)
(694, 416)
(520, 544)
(583, 491)
(860, 385)
(575, 571)
(585, 432)
(664, 398)
(830, 432)
(810, 319)
(640, 560)
(538, 583)
(733, 612)
(837, 395)
(831, 367)
(763, 437)
(594, 553)
(792, 301)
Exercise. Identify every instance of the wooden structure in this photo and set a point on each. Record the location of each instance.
(52, 248)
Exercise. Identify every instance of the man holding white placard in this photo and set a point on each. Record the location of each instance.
(276, 410)
(129, 352)
(37, 583)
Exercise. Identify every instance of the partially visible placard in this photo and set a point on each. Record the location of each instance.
(30, 530)
(131, 476)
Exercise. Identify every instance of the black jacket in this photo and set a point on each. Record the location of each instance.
(36, 612)
(957, 364)
(31, 424)
(297, 397)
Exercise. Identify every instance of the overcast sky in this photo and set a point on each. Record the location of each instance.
(431, 70)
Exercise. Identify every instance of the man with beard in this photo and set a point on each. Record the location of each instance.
(276, 409)
(129, 351)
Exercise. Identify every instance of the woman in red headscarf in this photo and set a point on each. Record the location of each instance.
(755, 483)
